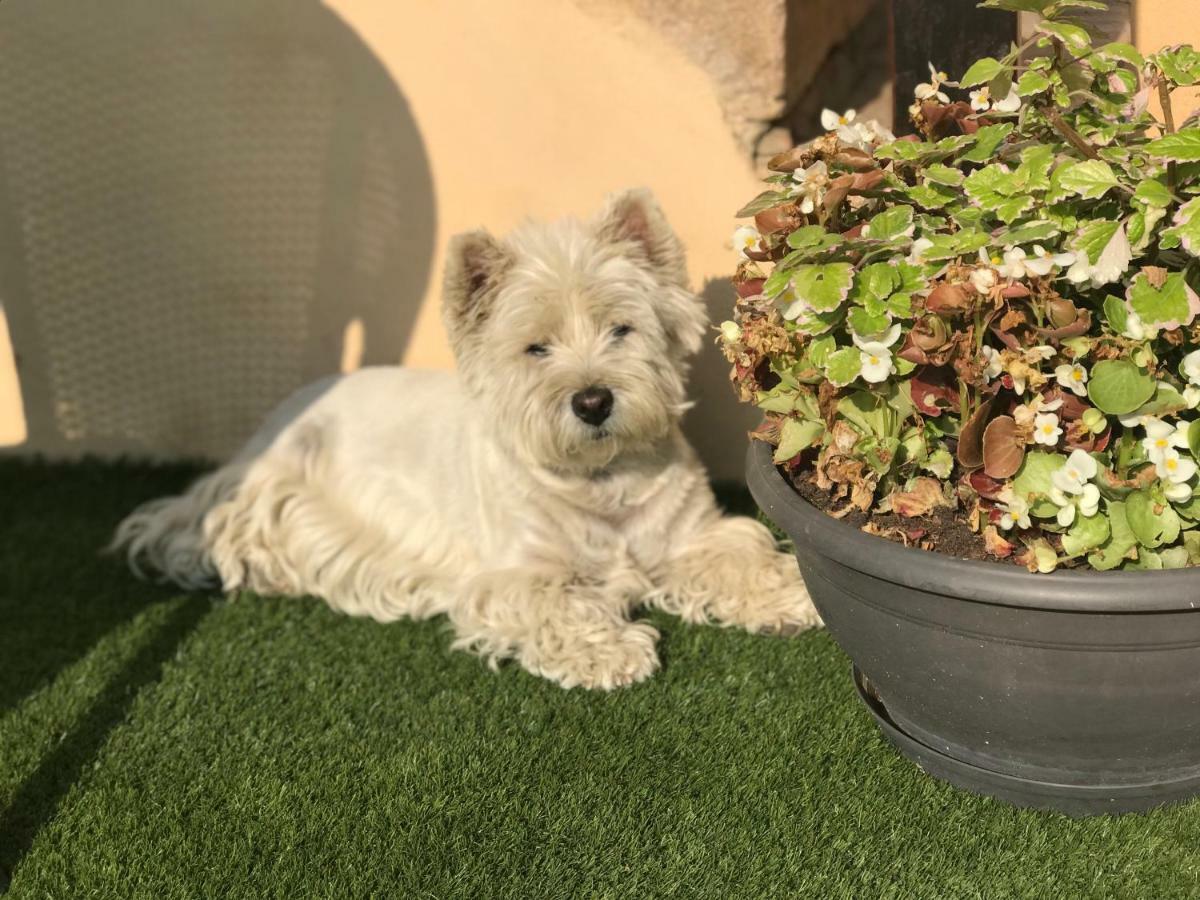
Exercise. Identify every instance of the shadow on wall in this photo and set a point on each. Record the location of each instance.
(719, 419)
(203, 205)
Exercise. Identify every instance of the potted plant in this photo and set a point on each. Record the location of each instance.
(977, 349)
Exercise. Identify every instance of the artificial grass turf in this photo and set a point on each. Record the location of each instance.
(160, 745)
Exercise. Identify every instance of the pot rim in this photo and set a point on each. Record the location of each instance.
(995, 583)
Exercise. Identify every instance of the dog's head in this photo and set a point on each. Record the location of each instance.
(575, 337)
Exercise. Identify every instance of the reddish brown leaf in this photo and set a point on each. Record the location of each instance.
(987, 487)
(790, 160)
(948, 298)
(853, 158)
(751, 287)
(996, 545)
(786, 217)
(1003, 452)
(922, 498)
(970, 439)
(934, 390)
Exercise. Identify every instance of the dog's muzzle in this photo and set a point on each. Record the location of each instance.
(593, 405)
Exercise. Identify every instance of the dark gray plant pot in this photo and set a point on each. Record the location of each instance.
(1076, 691)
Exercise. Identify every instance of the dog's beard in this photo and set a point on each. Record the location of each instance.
(544, 432)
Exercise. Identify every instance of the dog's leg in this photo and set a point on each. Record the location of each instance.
(730, 570)
(574, 632)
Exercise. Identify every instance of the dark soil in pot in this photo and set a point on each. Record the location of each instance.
(1075, 691)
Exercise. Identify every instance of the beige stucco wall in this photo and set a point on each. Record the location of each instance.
(541, 107)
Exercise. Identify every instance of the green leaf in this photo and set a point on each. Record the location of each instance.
(1087, 533)
(949, 246)
(1183, 146)
(1093, 237)
(980, 71)
(1194, 438)
(1124, 52)
(1032, 83)
(843, 366)
(1180, 64)
(1118, 387)
(765, 200)
(941, 174)
(1153, 523)
(797, 436)
(1120, 541)
(900, 306)
(862, 322)
(876, 281)
(1090, 179)
(931, 196)
(1185, 231)
(776, 283)
(1153, 193)
(987, 140)
(1032, 482)
(810, 237)
(1035, 6)
(1027, 233)
(819, 350)
(1169, 305)
(1073, 36)
(1116, 313)
(823, 287)
(891, 224)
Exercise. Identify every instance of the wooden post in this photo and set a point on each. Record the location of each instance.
(949, 33)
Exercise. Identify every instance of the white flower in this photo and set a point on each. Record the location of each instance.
(1046, 429)
(933, 88)
(919, 246)
(1191, 396)
(1044, 260)
(875, 357)
(793, 305)
(1071, 490)
(1015, 509)
(745, 237)
(1073, 377)
(1191, 367)
(1135, 329)
(1025, 413)
(1077, 471)
(983, 280)
(995, 366)
(877, 362)
(981, 100)
(1177, 493)
(831, 121)
(1010, 104)
(880, 134)
(1162, 438)
(1175, 468)
(1014, 266)
(1135, 420)
(731, 332)
(1112, 264)
(811, 185)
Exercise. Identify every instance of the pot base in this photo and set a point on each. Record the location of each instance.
(1074, 800)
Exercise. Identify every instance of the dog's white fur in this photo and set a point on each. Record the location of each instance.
(481, 495)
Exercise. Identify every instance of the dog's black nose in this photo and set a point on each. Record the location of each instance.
(593, 405)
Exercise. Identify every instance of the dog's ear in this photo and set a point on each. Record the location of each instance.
(475, 264)
(634, 221)
(633, 218)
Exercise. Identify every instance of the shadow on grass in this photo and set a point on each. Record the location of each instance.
(40, 795)
(58, 595)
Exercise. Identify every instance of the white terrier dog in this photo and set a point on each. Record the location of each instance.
(537, 498)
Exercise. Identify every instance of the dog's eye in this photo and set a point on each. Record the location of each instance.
(621, 330)
(537, 350)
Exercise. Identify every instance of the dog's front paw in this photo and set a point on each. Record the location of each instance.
(601, 660)
(779, 602)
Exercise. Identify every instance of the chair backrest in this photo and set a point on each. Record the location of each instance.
(198, 200)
